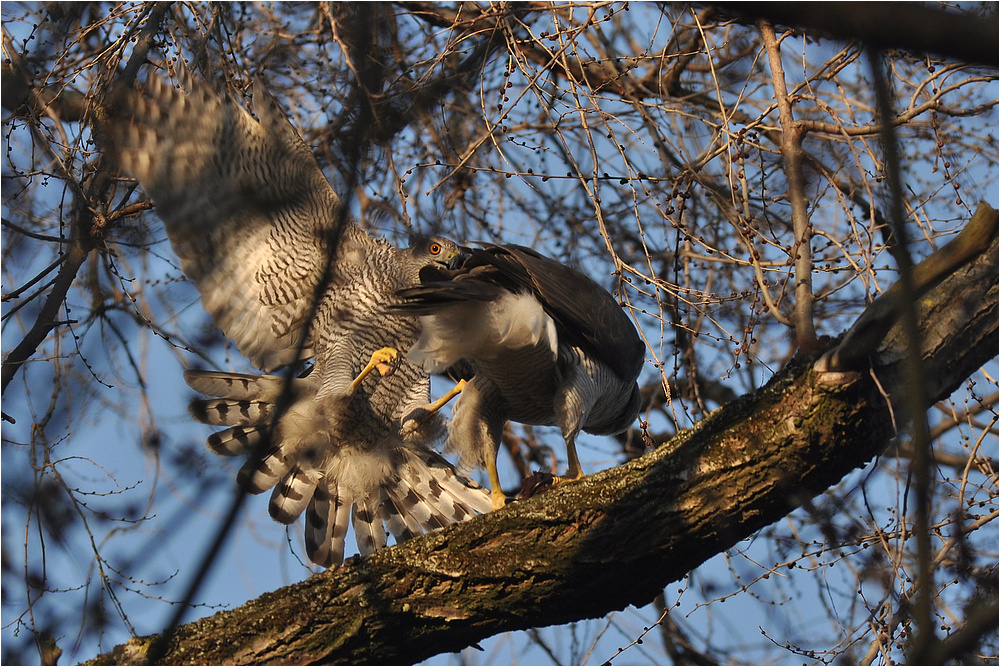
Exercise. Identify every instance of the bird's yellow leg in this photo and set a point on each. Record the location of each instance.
(412, 423)
(441, 402)
(574, 472)
(497, 499)
(384, 360)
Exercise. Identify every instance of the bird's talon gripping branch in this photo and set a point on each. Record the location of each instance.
(566, 478)
(575, 472)
(497, 497)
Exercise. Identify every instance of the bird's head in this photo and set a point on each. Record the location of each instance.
(435, 254)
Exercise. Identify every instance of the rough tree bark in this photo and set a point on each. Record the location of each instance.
(617, 537)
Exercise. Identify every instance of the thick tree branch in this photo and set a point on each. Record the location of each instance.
(617, 537)
(871, 328)
(909, 26)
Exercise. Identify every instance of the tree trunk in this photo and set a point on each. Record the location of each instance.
(615, 538)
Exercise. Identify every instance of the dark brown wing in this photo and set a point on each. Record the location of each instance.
(585, 313)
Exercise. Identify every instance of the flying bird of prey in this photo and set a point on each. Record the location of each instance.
(287, 275)
(545, 345)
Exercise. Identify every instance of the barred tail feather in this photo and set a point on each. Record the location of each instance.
(259, 477)
(426, 494)
(456, 497)
(368, 528)
(236, 386)
(243, 402)
(230, 412)
(415, 504)
(289, 499)
(326, 520)
(398, 514)
(236, 441)
(403, 487)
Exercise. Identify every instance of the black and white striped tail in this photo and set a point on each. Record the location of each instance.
(419, 492)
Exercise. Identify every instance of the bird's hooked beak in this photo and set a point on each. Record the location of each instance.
(444, 267)
(458, 259)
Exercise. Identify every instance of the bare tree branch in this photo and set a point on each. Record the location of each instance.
(791, 150)
(86, 230)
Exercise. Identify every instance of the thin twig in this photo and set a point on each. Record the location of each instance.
(791, 150)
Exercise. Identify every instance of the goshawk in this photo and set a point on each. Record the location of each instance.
(253, 220)
(544, 343)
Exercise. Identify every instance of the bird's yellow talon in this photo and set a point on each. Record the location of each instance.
(567, 478)
(497, 499)
(385, 360)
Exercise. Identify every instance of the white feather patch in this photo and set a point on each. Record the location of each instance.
(478, 330)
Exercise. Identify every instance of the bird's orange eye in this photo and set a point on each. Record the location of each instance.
(435, 248)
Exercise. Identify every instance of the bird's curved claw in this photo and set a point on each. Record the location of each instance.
(385, 360)
(422, 425)
(540, 482)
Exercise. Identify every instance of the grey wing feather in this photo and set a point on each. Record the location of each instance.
(426, 299)
(246, 207)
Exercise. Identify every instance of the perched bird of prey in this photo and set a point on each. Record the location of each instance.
(545, 344)
(287, 275)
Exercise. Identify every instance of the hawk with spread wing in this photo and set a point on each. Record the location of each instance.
(288, 275)
(542, 342)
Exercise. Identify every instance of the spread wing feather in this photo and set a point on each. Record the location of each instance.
(222, 182)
